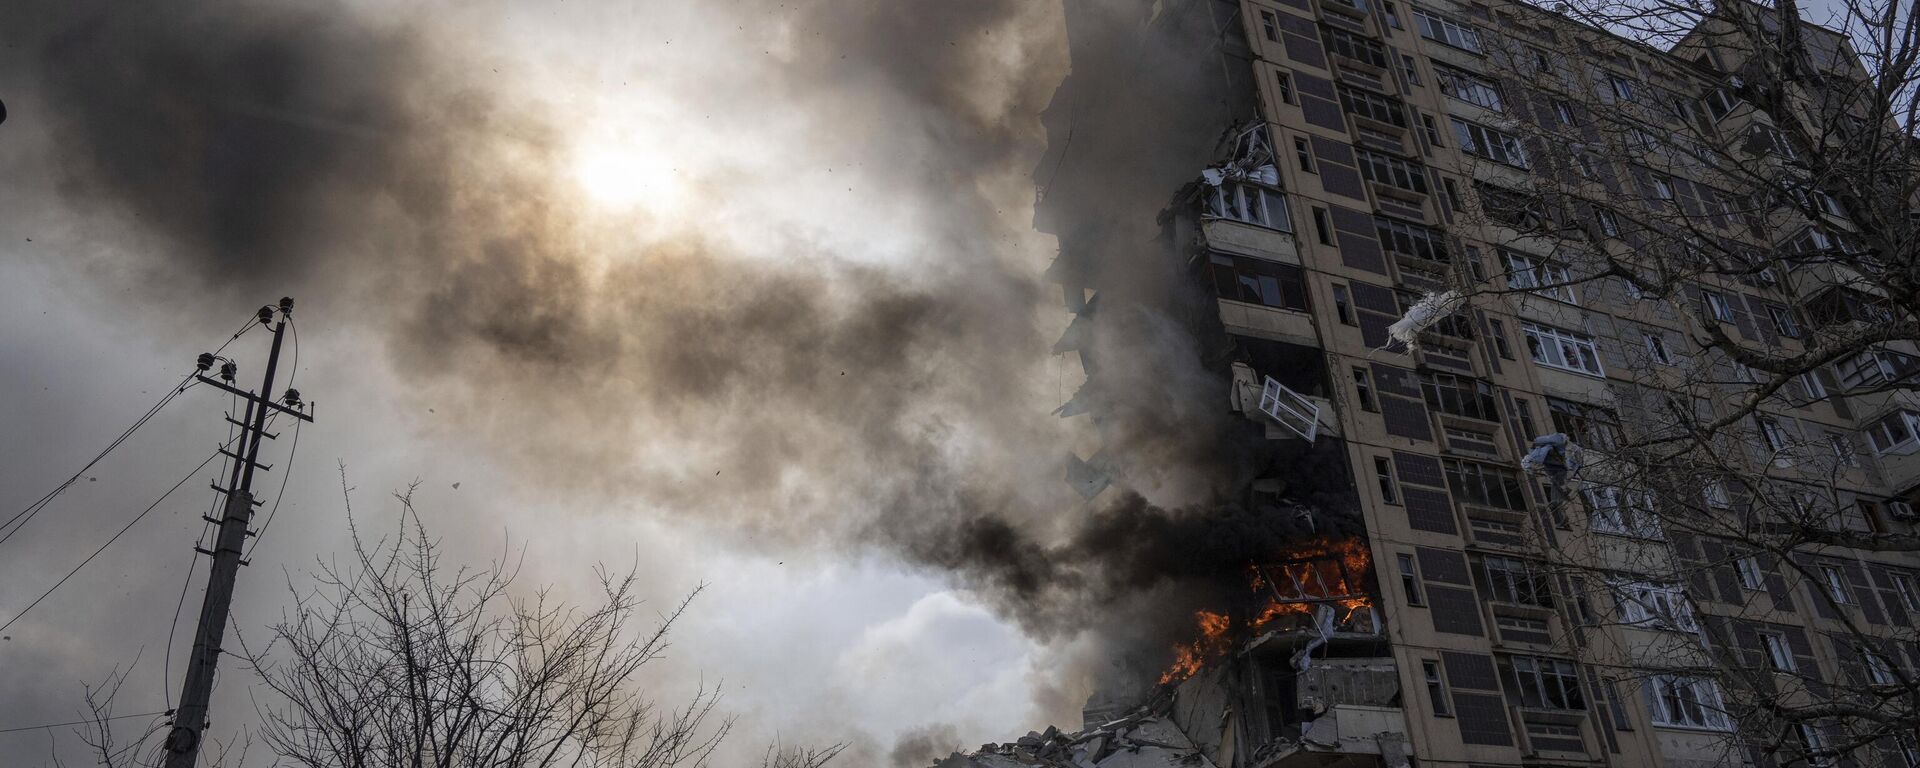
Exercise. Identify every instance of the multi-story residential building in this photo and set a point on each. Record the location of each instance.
(1382, 152)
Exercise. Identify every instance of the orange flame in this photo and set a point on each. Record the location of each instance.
(1320, 572)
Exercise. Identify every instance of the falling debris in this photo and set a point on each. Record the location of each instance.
(1430, 309)
(1555, 456)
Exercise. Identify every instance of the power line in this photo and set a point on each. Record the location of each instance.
(24, 516)
(116, 537)
(84, 722)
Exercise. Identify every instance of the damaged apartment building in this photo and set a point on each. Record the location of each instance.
(1302, 171)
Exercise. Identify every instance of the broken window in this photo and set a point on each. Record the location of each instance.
(1410, 579)
(1363, 385)
(1249, 203)
(1538, 276)
(1383, 472)
(1591, 426)
(1508, 580)
(1258, 281)
(1655, 606)
(1686, 702)
(1373, 106)
(1436, 687)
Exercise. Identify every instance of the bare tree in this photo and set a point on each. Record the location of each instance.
(1711, 215)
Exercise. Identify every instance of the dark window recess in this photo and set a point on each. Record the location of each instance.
(1258, 281)
(1436, 686)
(1322, 228)
(1391, 171)
(1344, 43)
(1459, 395)
(1303, 152)
(1410, 580)
(1589, 425)
(1383, 471)
(1363, 386)
(1405, 237)
(1513, 208)
(1508, 580)
(1284, 82)
(1500, 345)
(1270, 26)
(1343, 304)
(1484, 484)
(1373, 106)
(1524, 411)
(1544, 683)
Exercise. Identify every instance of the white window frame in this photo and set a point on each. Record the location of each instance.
(1648, 605)
(1622, 512)
(1703, 694)
(1783, 321)
(1835, 583)
(1470, 87)
(1879, 670)
(1563, 349)
(1530, 273)
(1717, 306)
(1445, 31)
(1909, 592)
(1250, 204)
(1489, 143)
(1609, 223)
(1779, 652)
(1884, 442)
(1620, 86)
(1662, 186)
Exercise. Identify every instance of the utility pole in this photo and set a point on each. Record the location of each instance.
(190, 720)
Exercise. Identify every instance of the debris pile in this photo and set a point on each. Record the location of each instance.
(1146, 738)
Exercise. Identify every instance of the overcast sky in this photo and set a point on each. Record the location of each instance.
(524, 255)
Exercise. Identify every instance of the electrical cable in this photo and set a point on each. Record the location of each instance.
(84, 722)
(261, 534)
(24, 516)
(116, 537)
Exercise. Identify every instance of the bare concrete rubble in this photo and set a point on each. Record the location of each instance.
(1145, 738)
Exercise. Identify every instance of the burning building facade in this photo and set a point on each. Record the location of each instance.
(1265, 188)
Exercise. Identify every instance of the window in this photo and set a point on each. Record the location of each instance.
(1657, 348)
(1513, 208)
(1484, 484)
(1538, 276)
(1894, 433)
(1508, 580)
(1589, 425)
(1383, 472)
(1409, 579)
(1258, 281)
(1909, 593)
(1775, 141)
(1498, 329)
(1481, 141)
(1563, 112)
(1783, 321)
(1410, 239)
(1620, 87)
(1685, 702)
(1342, 304)
(1720, 103)
(1843, 451)
(1444, 30)
(1469, 87)
(1836, 584)
(1393, 18)
(1774, 434)
(1779, 654)
(1391, 171)
(1459, 395)
(1373, 106)
(1407, 64)
(1322, 228)
(1609, 224)
(1879, 671)
(1251, 204)
(1283, 82)
(1453, 193)
(1587, 166)
(1909, 752)
(1813, 745)
(1655, 606)
(1717, 306)
(1432, 130)
(1749, 570)
(1303, 152)
(1363, 385)
(1563, 349)
(1872, 367)
(1662, 187)
(1436, 687)
(1543, 683)
(1352, 46)
(1621, 511)
(1270, 25)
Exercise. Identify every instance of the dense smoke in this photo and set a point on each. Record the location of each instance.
(799, 393)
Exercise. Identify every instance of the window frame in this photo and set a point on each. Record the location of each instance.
(1562, 340)
(1439, 28)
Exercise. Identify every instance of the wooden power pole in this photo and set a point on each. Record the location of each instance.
(190, 720)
